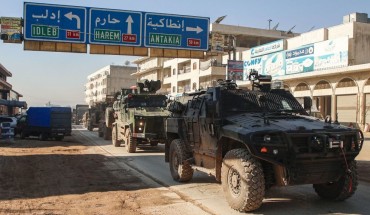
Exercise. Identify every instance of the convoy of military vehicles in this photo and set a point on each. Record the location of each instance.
(248, 139)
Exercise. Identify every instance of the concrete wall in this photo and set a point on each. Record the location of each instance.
(362, 43)
(120, 77)
(307, 38)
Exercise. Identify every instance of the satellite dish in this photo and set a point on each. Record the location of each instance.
(275, 27)
(219, 19)
(290, 30)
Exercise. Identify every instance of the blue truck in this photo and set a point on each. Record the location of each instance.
(45, 122)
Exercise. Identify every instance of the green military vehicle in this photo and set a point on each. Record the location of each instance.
(139, 117)
(253, 139)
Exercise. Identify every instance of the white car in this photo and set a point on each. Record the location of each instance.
(12, 120)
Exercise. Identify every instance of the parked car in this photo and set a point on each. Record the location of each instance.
(6, 131)
(12, 120)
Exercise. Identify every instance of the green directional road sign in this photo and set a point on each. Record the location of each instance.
(165, 39)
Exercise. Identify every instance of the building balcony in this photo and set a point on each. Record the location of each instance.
(167, 80)
(210, 67)
(150, 64)
(5, 85)
(184, 76)
(213, 70)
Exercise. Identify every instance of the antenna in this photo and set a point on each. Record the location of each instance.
(275, 27)
(269, 20)
(290, 30)
(311, 28)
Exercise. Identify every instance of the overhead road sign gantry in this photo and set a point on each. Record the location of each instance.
(115, 27)
(176, 31)
(55, 23)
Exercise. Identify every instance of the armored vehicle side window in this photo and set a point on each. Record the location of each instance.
(143, 101)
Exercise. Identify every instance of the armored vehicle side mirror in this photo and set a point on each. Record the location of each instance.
(307, 103)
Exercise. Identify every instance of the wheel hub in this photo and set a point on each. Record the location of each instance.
(234, 181)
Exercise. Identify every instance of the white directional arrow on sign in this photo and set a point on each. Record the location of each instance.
(197, 29)
(129, 24)
(70, 16)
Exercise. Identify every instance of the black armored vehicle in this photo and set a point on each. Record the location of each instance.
(253, 139)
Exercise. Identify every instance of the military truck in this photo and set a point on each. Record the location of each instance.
(79, 112)
(250, 140)
(95, 117)
(139, 117)
(106, 117)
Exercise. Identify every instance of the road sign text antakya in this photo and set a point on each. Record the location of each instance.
(165, 39)
(176, 31)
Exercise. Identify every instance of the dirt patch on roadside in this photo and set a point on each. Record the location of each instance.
(67, 177)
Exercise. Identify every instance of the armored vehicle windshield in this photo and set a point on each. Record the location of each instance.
(257, 101)
(136, 101)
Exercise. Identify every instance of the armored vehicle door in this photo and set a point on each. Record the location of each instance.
(192, 121)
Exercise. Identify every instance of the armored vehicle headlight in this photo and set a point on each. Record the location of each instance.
(360, 139)
(267, 138)
(277, 84)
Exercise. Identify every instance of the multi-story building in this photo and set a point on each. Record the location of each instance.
(9, 100)
(107, 81)
(179, 75)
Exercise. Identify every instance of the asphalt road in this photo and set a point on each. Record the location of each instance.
(204, 192)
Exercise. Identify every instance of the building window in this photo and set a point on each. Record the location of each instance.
(173, 71)
(173, 89)
(194, 65)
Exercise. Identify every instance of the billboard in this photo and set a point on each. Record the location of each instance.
(300, 60)
(253, 64)
(328, 54)
(274, 64)
(217, 42)
(331, 54)
(267, 48)
(12, 27)
(235, 70)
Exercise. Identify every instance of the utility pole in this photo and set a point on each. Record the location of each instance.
(269, 20)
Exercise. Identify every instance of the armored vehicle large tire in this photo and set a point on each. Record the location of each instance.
(131, 143)
(242, 180)
(115, 141)
(342, 189)
(179, 166)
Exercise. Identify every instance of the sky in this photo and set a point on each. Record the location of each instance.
(59, 78)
